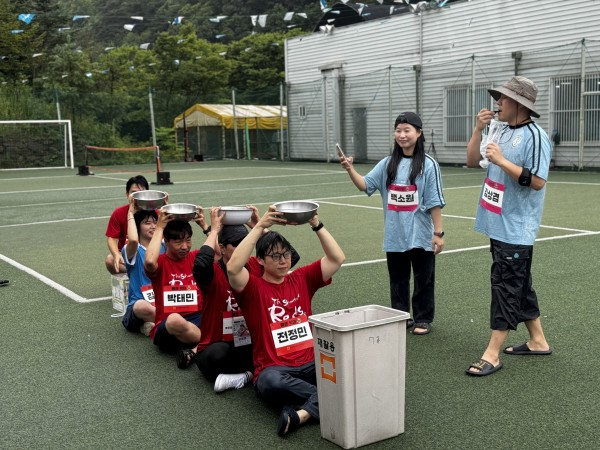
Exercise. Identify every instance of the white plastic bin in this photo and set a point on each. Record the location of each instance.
(360, 360)
(120, 287)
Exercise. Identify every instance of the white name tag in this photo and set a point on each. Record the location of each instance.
(291, 335)
(492, 196)
(148, 293)
(403, 198)
(180, 299)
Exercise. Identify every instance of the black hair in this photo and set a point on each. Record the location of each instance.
(269, 242)
(418, 158)
(142, 215)
(177, 229)
(140, 180)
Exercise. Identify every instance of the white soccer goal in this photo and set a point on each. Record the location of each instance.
(36, 144)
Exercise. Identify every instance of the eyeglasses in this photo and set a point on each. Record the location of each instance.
(277, 256)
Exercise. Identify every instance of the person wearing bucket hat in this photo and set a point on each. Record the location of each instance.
(410, 185)
(509, 214)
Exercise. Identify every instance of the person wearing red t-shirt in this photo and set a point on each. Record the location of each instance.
(276, 307)
(177, 299)
(116, 231)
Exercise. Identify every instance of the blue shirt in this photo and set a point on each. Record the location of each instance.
(518, 223)
(135, 272)
(405, 230)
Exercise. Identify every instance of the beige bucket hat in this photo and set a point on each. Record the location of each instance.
(522, 90)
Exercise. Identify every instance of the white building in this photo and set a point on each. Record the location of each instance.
(348, 83)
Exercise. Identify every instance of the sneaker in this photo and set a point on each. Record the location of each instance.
(232, 381)
(146, 327)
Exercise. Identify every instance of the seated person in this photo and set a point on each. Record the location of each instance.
(139, 315)
(284, 375)
(116, 231)
(177, 299)
(222, 356)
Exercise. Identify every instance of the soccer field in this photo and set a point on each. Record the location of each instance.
(74, 378)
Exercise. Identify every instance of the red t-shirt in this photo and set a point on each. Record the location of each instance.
(218, 297)
(172, 273)
(117, 225)
(264, 303)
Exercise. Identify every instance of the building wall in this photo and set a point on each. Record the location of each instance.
(471, 41)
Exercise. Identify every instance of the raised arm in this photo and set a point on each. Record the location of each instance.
(133, 239)
(153, 249)
(357, 179)
(238, 274)
(484, 117)
(203, 264)
(334, 255)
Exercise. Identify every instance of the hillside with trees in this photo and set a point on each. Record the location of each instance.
(95, 61)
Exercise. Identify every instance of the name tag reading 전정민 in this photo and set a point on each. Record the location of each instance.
(403, 198)
(291, 335)
(180, 299)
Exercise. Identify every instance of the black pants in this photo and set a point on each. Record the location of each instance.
(513, 297)
(423, 298)
(224, 357)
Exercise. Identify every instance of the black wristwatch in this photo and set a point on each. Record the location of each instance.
(206, 231)
(440, 234)
(318, 227)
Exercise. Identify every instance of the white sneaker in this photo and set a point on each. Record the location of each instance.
(146, 327)
(232, 381)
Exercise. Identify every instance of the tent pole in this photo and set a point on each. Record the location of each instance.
(235, 133)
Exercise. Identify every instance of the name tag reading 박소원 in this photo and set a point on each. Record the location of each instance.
(180, 299)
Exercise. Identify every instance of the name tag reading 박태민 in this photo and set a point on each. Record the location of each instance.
(180, 299)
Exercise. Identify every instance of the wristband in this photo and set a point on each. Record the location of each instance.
(318, 227)
(206, 231)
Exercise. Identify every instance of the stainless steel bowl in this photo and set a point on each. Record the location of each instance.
(149, 199)
(182, 211)
(235, 215)
(297, 212)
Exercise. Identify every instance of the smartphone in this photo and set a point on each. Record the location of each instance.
(340, 151)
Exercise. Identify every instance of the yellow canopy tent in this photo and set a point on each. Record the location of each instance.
(240, 118)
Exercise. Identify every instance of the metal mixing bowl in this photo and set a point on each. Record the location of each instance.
(149, 199)
(297, 212)
(235, 215)
(182, 211)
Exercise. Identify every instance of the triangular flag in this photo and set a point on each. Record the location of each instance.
(323, 5)
(180, 41)
(303, 15)
(106, 49)
(145, 46)
(177, 20)
(262, 20)
(80, 17)
(129, 26)
(222, 53)
(89, 74)
(253, 19)
(288, 16)
(27, 18)
(137, 17)
(220, 36)
(35, 55)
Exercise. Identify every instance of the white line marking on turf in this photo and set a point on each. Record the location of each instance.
(54, 221)
(63, 290)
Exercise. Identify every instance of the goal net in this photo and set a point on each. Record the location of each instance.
(36, 144)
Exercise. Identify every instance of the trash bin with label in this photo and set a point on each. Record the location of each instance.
(360, 360)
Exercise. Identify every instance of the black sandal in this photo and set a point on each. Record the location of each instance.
(185, 357)
(288, 419)
(423, 326)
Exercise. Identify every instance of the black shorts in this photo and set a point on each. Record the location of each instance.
(513, 297)
(169, 343)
